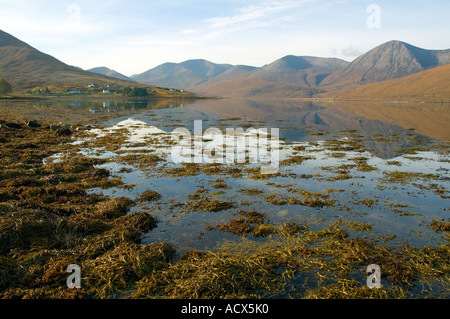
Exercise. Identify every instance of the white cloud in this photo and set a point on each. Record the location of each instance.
(351, 52)
(254, 16)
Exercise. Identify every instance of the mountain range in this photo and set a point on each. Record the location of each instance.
(290, 76)
(296, 76)
(385, 72)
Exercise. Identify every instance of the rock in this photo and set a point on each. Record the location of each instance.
(14, 125)
(24, 146)
(34, 124)
(60, 126)
(100, 173)
(55, 127)
(84, 128)
(64, 131)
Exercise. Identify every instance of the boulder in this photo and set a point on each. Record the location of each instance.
(14, 125)
(55, 127)
(85, 128)
(34, 124)
(64, 131)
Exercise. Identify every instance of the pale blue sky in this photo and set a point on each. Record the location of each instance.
(133, 36)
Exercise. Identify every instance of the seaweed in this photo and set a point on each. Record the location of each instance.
(118, 269)
(149, 196)
(207, 202)
(211, 275)
(295, 160)
(439, 226)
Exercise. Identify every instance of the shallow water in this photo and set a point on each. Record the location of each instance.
(376, 192)
(374, 170)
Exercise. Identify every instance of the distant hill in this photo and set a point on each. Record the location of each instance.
(290, 76)
(111, 73)
(388, 61)
(25, 68)
(184, 75)
(235, 72)
(428, 85)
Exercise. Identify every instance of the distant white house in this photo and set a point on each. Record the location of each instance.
(93, 85)
(106, 91)
(74, 92)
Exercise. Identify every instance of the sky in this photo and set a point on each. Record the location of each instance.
(133, 36)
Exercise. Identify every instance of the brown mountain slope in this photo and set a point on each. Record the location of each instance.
(5, 87)
(431, 85)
